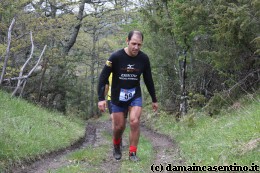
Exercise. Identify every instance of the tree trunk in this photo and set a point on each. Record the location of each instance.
(183, 104)
(44, 68)
(76, 28)
(93, 60)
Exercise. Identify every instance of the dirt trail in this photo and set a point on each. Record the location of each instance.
(166, 150)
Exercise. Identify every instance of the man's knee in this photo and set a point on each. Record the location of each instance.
(118, 127)
(119, 124)
(134, 122)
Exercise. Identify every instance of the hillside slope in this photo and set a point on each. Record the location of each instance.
(28, 131)
(232, 136)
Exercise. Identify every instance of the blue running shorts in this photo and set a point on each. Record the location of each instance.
(136, 102)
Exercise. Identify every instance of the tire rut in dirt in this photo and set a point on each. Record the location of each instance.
(166, 150)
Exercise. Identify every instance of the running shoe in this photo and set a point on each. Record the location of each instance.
(117, 152)
(133, 157)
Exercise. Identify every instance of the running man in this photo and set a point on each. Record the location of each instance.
(127, 65)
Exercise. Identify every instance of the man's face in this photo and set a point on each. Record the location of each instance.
(134, 45)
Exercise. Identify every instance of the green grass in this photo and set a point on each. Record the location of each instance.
(146, 155)
(27, 131)
(228, 138)
(90, 154)
(85, 160)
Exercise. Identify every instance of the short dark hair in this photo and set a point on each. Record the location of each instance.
(131, 33)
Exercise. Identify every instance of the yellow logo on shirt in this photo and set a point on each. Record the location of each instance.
(109, 63)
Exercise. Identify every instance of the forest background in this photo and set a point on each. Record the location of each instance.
(204, 54)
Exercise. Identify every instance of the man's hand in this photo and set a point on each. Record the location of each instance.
(102, 105)
(155, 106)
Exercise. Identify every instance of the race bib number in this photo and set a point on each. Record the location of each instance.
(126, 94)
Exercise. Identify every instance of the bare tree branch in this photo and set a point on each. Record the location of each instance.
(7, 50)
(29, 74)
(20, 81)
(239, 83)
(23, 79)
(30, 57)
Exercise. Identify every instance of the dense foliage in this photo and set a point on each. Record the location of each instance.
(218, 41)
